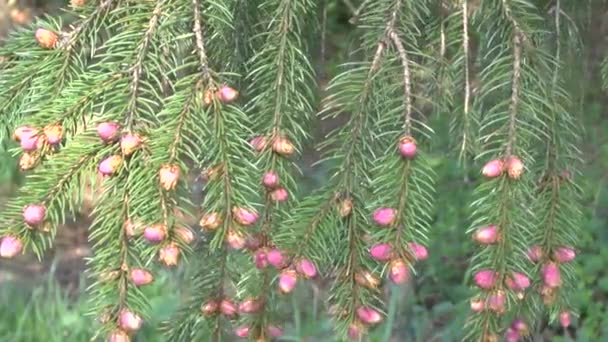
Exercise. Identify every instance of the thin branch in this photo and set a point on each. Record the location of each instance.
(467, 74)
(513, 107)
(138, 65)
(407, 86)
(200, 45)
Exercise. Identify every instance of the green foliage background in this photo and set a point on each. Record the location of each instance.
(34, 309)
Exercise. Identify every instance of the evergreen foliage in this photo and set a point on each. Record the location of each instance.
(226, 91)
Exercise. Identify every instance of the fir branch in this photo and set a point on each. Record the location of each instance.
(515, 85)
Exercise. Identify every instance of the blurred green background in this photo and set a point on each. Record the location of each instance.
(46, 301)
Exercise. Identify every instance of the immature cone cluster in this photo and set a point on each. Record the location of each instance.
(155, 233)
(129, 143)
(46, 39)
(384, 216)
(28, 138)
(287, 281)
(235, 240)
(108, 131)
(516, 331)
(211, 221)
(513, 166)
(486, 235)
(244, 216)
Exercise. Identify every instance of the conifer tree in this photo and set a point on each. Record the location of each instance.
(134, 99)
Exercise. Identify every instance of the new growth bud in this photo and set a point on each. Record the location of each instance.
(210, 308)
(565, 319)
(367, 279)
(227, 94)
(276, 258)
(518, 282)
(184, 234)
(259, 143)
(514, 167)
(119, 336)
(227, 308)
(28, 138)
(283, 146)
(564, 254)
(270, 179)
(249, 306)
(420, 252)
(279, 195)
(535, 253)
(551, 275)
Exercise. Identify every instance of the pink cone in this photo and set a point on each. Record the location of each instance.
(287, 281)
(260, 259)
(368, 315)
(34, 214)
(384, 216)
(109, 165)
(279, 195)
(565, 319)
(242, 331)
(420, 252)
(259, 143)
(497, 302)
(274, 331)
(381, 252)
(129, 143)
(227, 308)
(493, 168)
(485, 279)
(119, 336)
(141, 277)
(355, 331)
(235, 240)
(535, 253)
(169, 255)
(244, 216)
(514, 167)
(276, 258)
(10, 246)
(155, 233)
(184, 234)
(398, 272)
(227, 94)
(407, 147)
(210, 308)
(306, 268)
(520, 326)
(249, 306)
(518, 282)
(270, 179)
(551, 275)
(130, 321)
(564, 254)
(512, 335)
(108, 131)
(486, 235)
(477, 305)
(29, 140)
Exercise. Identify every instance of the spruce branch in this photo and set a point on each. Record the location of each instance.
(467, 76)
(137, 66)
(200, 45)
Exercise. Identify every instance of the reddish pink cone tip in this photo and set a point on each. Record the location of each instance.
(227, 94)
(287, 281)
(485, 279)
(260, 258)
(242, 331)
(384, 216)
(108, 131)
(564, 254)
(34, 214)
(381, 252)
(10, 246)
(249, 306)
(420, 252)
(244, 216)
(398, 272)
(130, 321)
(227, 308)
(487, 235)
(565, 319)
(368, 315)
(551, 275)
(407, 148)
(279, 195)
(155, 233)
(306, 268)
(270, 179)
(535, 253)
(276, 258)
(141, 277)
(259, 143)
(518, 281)
(493, 168)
